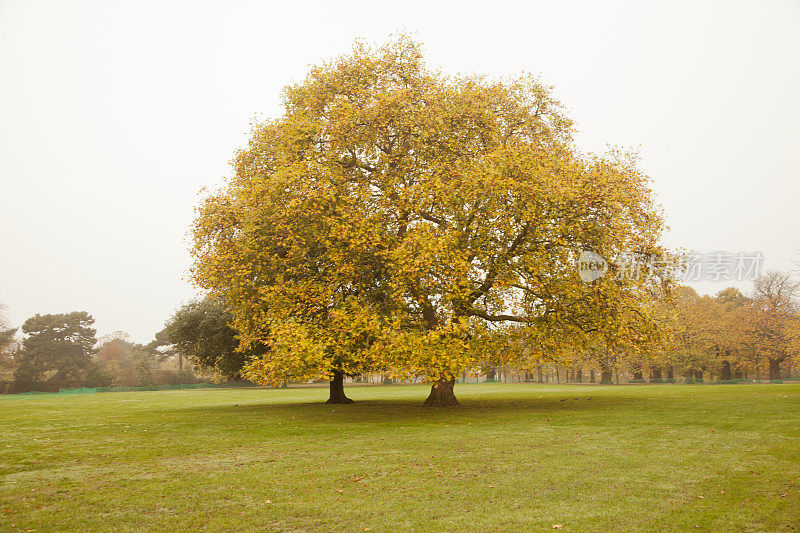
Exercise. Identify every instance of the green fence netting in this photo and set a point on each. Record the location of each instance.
(94, 390)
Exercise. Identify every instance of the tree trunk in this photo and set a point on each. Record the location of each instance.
(638, 375)
(606, 373)
(655, 375)
(774, 369)
(726, 374)
(490, 376)
(579, 376)
(670, 374)
(539, 372)
(337, 389)
(441, 394)
(591, 376)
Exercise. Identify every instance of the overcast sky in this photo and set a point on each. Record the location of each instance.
(113, 115)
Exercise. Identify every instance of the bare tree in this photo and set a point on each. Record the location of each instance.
(775, 324)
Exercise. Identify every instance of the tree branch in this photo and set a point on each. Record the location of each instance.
(497, 318)
(492, 274)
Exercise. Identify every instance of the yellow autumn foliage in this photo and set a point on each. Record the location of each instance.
(399, 220)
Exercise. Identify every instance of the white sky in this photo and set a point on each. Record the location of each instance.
(114, 114)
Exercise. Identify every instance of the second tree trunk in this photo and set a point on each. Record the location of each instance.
(337, 389)
(442, 394)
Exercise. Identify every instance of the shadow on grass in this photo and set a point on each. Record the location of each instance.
(400, 410)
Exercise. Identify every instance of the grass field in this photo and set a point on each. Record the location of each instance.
(512, 457)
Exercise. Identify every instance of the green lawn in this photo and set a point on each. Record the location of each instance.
(512, 457)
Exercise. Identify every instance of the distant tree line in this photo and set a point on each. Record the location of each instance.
(62, 351)
(726, 337)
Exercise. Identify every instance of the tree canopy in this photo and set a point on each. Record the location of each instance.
(394, 216)
(56, 351)
(201, 332)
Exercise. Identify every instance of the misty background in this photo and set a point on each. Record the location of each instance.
(113, 116)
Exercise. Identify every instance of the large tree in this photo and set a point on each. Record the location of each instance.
(201, 332)
(773, 328)
(413, 211)
(729, 341)
(56, 352)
